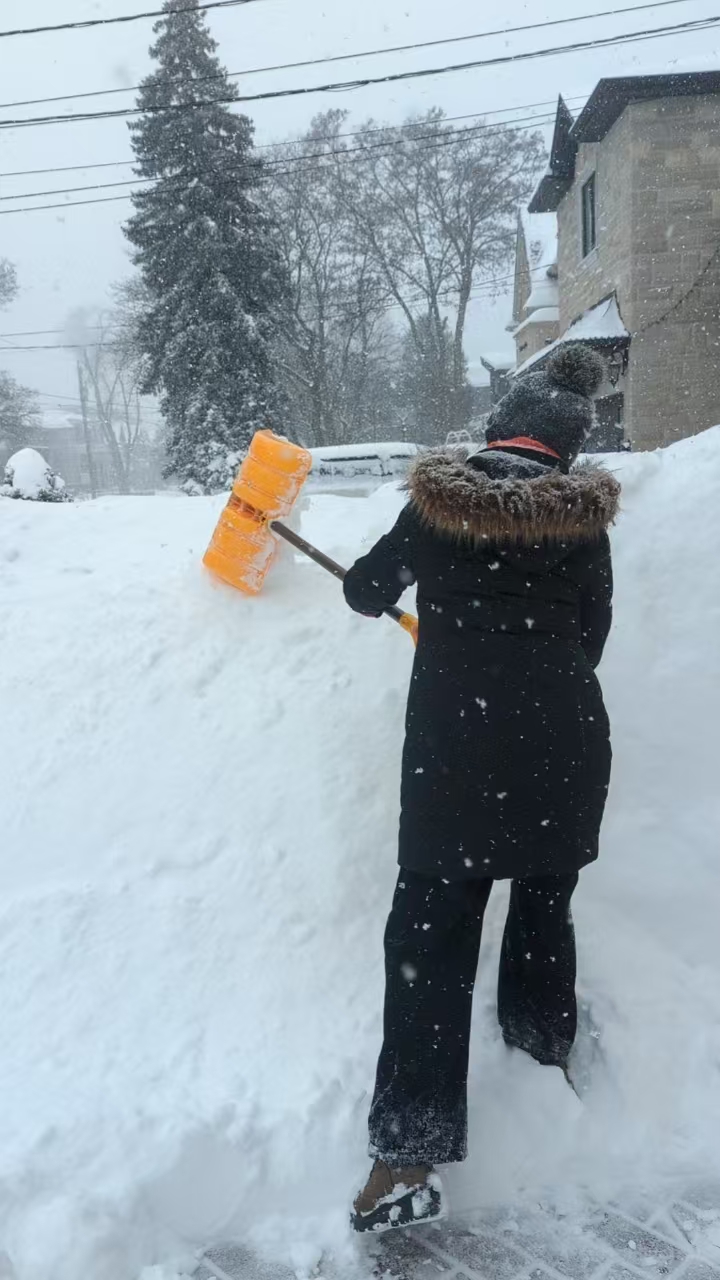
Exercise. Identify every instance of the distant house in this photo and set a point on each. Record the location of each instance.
(499, 366)
(63, 443)
(634, 184)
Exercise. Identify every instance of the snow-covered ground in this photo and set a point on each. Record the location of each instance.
(199, 797)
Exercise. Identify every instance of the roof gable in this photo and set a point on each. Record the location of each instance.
(606, 103)
(561, 167)
(610, 97)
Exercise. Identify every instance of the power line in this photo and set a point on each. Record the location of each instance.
(60, 191)
(76, 204)
(130, 17)
(604, 42)
(266, 146)
(483, 289)
(115, 329)
(51, 395)
(441, 140)
(70, 168)
(62, 346)
(449, 137)
(458, 136)
(43, 333)
(66, 204)
(349, 57)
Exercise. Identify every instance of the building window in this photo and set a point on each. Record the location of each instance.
(589, 221)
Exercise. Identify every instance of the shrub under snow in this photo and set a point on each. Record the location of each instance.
(28, 476)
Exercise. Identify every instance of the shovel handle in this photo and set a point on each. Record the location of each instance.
(407, 621)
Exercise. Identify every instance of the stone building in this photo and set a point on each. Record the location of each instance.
(634, 184)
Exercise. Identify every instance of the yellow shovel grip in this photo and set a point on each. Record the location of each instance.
(409, 623)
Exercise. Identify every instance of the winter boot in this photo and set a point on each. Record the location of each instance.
(397, 1198)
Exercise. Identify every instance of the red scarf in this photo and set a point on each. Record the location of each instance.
(524, 442)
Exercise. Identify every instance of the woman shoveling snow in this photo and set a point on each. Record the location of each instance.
(506, 762)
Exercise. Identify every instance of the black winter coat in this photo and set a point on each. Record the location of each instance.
(507, 751)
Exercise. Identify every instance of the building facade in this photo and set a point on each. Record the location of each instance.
(634, 184)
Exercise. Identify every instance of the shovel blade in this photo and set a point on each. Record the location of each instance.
(243, 548)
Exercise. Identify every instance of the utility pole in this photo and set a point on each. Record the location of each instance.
(86, 432)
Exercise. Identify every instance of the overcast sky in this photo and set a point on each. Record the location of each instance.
(67, 259)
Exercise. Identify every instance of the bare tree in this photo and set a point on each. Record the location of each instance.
(336, 339)
(433, 208)
(109, 374)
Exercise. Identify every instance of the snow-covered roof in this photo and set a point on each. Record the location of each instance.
(543, 315)
(498, 361)
(601, 323)
(541, 242)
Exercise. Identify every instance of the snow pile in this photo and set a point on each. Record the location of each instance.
(199, 804)
(27, 475)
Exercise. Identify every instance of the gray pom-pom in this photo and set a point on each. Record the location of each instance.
(577, 368)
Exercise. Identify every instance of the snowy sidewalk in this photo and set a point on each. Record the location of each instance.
(619, 1242)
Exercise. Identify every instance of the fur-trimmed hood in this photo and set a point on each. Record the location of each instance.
(504, 498)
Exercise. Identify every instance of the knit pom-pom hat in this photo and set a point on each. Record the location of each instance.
(555, 405)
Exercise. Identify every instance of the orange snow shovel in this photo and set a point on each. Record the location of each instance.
(243, 546)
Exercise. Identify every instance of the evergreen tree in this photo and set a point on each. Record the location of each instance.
(19, 415)
(18, 407)
(208, 254)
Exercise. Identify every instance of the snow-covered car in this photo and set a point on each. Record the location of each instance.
(360, 466)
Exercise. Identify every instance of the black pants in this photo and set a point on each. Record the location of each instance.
(432, 940)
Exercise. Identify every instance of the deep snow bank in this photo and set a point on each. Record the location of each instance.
(199, 800)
